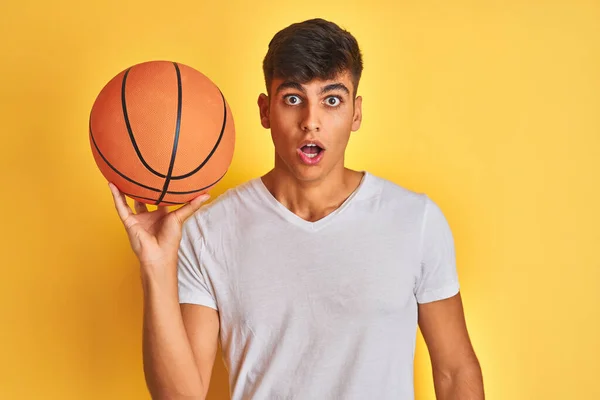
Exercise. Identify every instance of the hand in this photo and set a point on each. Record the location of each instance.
(154, 235)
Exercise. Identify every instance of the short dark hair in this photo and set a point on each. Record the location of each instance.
(315, 48)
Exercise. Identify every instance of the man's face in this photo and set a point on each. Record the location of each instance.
(310, 124)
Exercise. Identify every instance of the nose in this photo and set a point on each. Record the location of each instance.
(310, 119)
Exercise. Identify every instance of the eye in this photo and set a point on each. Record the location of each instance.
(292, 100)
(333, 101)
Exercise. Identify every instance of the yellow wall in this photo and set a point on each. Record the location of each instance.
(493, 108)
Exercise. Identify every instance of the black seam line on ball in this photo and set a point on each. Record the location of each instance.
(198, 190)
(137, 183)
(134, 143)
(130, 131)
(170, 202)
(176, 140)
(214, 147)
(113, 168)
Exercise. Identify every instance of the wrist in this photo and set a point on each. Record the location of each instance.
(162, 276)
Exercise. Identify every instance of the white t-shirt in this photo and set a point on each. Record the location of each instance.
(318, 310)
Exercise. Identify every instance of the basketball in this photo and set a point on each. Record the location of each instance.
(162, 132)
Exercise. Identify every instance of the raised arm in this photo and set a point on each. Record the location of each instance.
(178, 342)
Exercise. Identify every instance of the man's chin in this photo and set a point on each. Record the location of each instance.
(309, 174)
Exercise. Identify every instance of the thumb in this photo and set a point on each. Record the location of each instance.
(187, 210)
(137, 237)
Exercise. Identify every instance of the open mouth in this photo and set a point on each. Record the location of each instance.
(311, 150)
(311, 153)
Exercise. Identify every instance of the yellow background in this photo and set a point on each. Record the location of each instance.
(490, 107)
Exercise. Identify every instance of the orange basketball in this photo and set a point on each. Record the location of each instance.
(162, 132)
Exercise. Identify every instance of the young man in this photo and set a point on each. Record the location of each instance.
(314, 276)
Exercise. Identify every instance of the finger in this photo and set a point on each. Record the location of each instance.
(121, 205)
(184, 212)
(163, 209)
(140, 207)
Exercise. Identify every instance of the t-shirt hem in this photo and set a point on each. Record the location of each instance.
(199, 300)
(439, 294)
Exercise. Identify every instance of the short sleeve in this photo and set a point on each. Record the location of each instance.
(193, 284)
(439, 278)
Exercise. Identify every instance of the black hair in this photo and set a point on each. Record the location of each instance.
(315, 48)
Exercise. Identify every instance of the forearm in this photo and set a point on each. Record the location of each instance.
(464, 384)
(169, 366)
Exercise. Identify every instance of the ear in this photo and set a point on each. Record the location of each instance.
(263, 108)
(357, 118)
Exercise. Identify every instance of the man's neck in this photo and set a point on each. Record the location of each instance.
(312, 200)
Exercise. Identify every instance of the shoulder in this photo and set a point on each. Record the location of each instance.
(397, 197)
(225, 208)
(420, 206)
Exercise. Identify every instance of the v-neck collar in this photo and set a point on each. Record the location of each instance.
(300, 222)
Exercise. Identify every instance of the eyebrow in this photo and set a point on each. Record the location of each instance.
(290, 85)
(325, 89)
(335, 86)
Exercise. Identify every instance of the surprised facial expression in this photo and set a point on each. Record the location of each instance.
(311, 123)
